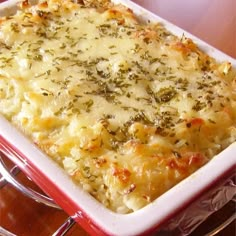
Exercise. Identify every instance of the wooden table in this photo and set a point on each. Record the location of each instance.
(211, 20)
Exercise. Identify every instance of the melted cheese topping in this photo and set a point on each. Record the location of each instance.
(127, 109)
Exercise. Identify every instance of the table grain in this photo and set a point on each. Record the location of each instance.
(213, 21)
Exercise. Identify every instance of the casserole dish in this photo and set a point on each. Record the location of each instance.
(87, 209)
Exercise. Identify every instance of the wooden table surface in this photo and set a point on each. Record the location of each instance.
(214, 21)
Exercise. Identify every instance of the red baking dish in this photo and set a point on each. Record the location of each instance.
(84, 209)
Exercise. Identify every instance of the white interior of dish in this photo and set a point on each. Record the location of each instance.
(157, 211)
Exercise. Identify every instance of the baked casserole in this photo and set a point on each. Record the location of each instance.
(125, 107)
